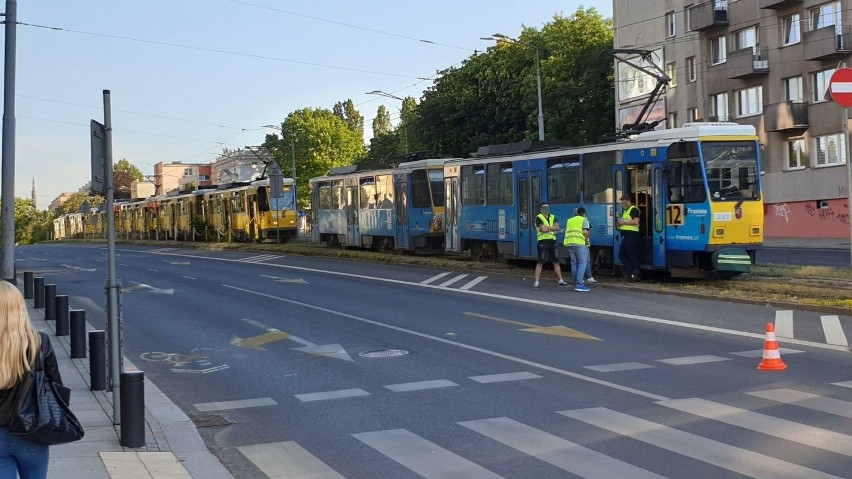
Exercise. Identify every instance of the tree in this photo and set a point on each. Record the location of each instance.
(123, 175)
(382, 122)
(350, 115)
(31, 226)
(323, 141)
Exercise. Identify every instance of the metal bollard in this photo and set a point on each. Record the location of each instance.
(97, 361)
(38, 290)
(132, 408)
(50, 302)
(78, 333)
(28, 285)
(61, 315)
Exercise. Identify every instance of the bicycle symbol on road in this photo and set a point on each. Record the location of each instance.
(195, 362)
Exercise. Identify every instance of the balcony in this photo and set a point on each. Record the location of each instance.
(779, 4)
(708, 15)
(826, 43)
(748, 62)
(787, 115)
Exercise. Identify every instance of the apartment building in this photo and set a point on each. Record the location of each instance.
(765, 63)
(175, 176)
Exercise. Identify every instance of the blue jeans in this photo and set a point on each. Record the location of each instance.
(588, 264)
(21, 457)
(579, 255)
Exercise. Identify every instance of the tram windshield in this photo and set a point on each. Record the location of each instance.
(284, 202)
(731, 168)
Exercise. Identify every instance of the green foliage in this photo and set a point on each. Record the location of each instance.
(31, 225)
(323, 141)
(350, 115)
(125, 166)
(382, 122)
(123, 175)
(383, 149)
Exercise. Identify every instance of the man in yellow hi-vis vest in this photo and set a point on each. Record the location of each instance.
(546, 228)
(628, 225)
(576, 235)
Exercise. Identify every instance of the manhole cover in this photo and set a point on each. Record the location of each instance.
(384, 353)
(212, 420)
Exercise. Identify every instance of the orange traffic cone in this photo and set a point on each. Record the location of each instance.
(771, 354)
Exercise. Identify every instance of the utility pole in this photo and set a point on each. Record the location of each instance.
(113, 286)
(7, 183)
(295, 189)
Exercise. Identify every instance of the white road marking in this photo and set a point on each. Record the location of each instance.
(423, 457)
(456, 343)
(239, 404)
(608, 368)
(758, 353)
(473, 282)
(833, 331)
(122, 264)
(259, 258)
(420, 385)
(202, 371)
(499, 378)
(452, 281)
(435, 278)
(536, 302)
(808, 400)
(188, 277)
(564, 454)
(326, 395)
(719, 454)
(153, 270)
(772, 426)
(784, 324)
(844, 384)
(685, 361)
(287, 460)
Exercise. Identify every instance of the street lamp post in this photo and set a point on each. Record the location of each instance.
(404, 125)
(498, 37)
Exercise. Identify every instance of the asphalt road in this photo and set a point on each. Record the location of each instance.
(834, 258)
(329, 368)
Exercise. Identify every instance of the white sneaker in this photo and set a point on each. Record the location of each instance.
(535, 285)
(562, 283)
(591, 280)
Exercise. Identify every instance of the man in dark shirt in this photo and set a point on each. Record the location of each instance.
(628, 225)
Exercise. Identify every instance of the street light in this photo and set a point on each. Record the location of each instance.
(404, 125)
(497, 37)
(293, 146)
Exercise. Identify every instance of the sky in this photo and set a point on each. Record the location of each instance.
(191, 77)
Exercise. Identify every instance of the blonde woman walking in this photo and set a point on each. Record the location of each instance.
(20, 346)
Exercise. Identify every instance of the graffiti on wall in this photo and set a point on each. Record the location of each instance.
(782, 211)
(824, 219)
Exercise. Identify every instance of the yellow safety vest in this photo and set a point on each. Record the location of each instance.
(574, 231)
(626, 216)
(547, 222)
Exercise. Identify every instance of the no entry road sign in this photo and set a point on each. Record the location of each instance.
(840, 86)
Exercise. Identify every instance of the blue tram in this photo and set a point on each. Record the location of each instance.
(398, 209)
(697, 187)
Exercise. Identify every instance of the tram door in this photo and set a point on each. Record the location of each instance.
(401, 211)
(529, 203)
(352, 234)
(451, 205)
(658, 207)
(644, 183)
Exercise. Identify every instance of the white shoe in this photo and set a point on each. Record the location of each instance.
(591, 280)
(535, 285)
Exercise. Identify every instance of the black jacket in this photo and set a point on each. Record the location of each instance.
(51, 370)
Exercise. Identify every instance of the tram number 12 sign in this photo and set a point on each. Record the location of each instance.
(674, 215)
(840, 86)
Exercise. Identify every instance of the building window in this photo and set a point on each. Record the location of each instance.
(719, 104)
(671, 26)
(203, 177)
(825, 15)
(829, 150)
(692, 114)
(745, 38)
(187, 172)
(791, 29)
(687, 27)
(793, 89)
(671, 71)
(750, 101)
(673, 119)
(820, 81)
(690, 69)
(796, 154)
(718, 50)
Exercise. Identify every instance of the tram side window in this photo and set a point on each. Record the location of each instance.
(499, 189)
(338, 201)
(368, 192)
(598, 176)
(436, 180)
(563, 180)
(686, 185)
(473, 185)
(420, 189)
(263, 199)
(384, 192)
(324, 197)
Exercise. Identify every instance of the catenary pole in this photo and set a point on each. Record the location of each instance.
(7, 216)
(113, 305)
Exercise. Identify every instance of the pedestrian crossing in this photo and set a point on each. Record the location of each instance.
(446, 280)
(571, 446)
(261, 258)
(831, 327)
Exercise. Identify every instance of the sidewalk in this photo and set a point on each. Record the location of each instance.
(806, 243)
(173, 450)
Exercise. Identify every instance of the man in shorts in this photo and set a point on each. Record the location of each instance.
(546, 227)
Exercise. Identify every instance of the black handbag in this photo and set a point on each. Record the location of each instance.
(40, 410)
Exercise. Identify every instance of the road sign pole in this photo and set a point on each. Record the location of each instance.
(113, 305)
(7, 215)
(848, 177)
(840, 88)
